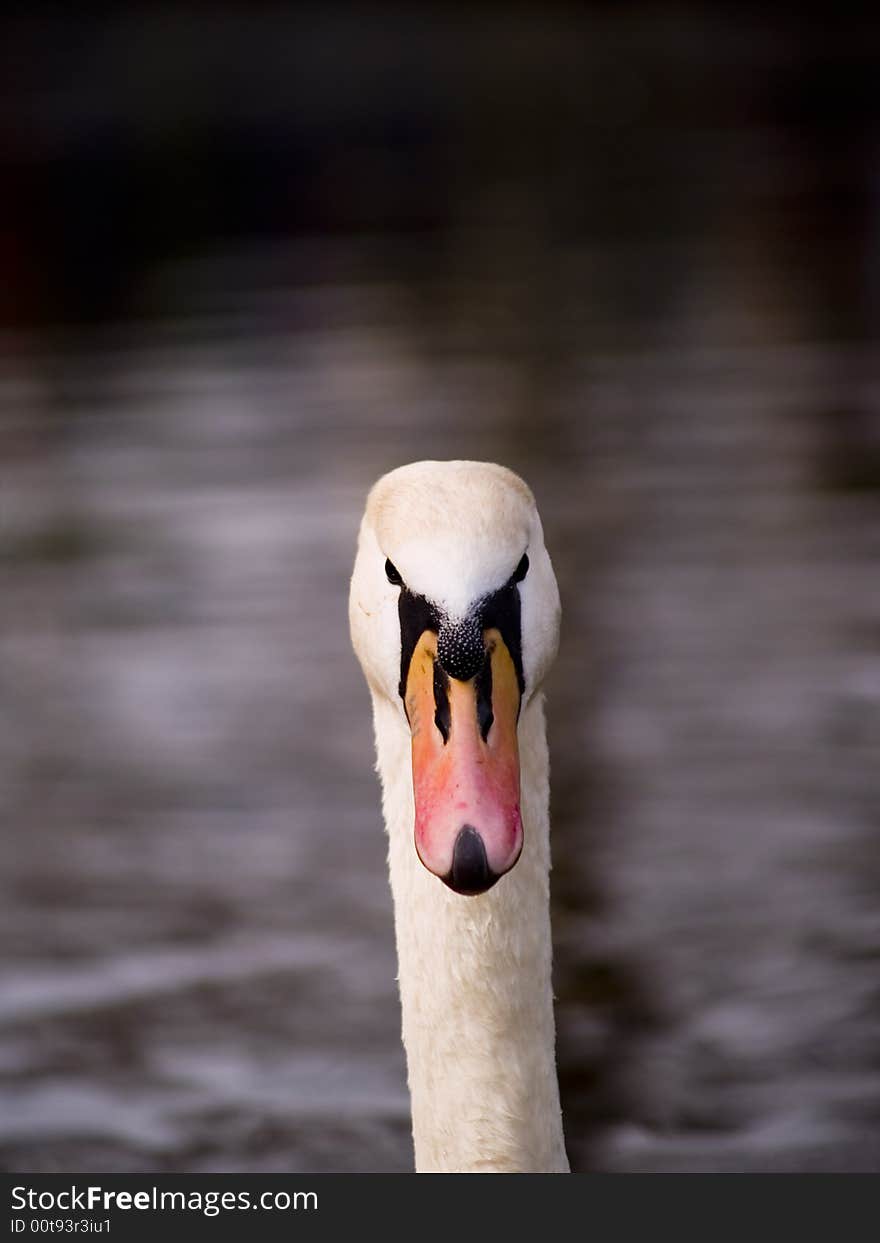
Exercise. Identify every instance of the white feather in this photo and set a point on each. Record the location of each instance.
(474, 972)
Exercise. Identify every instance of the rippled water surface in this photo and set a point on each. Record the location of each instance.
(196, 932)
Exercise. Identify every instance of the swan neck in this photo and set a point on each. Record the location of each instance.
(475, 982)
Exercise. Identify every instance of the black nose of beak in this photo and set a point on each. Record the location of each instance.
(470, 872)
(460, 648)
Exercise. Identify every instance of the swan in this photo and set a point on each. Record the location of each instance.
(454, 615)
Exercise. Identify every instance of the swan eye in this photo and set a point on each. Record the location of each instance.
(393, 574)
(521, 570)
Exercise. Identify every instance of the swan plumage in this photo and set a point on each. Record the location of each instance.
(448, 551)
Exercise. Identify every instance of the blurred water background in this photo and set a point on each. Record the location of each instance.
(252, 257)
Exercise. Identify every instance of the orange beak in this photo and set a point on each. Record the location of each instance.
(465, 763)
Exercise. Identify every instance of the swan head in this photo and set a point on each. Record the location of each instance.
(454, 614)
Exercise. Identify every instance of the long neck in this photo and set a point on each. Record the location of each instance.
(475, 985)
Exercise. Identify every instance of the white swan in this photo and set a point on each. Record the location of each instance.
(454, 616)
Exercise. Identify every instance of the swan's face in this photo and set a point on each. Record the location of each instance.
(454, 616)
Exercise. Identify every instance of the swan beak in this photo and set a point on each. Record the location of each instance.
(465, 764)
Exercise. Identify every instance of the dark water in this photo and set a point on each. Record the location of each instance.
(198, 966)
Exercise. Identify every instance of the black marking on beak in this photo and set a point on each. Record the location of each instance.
(442, 712)
(483, 687)
(470, 872)
(503, 611)
(460, 643)
(460, 647)
(416, 616)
